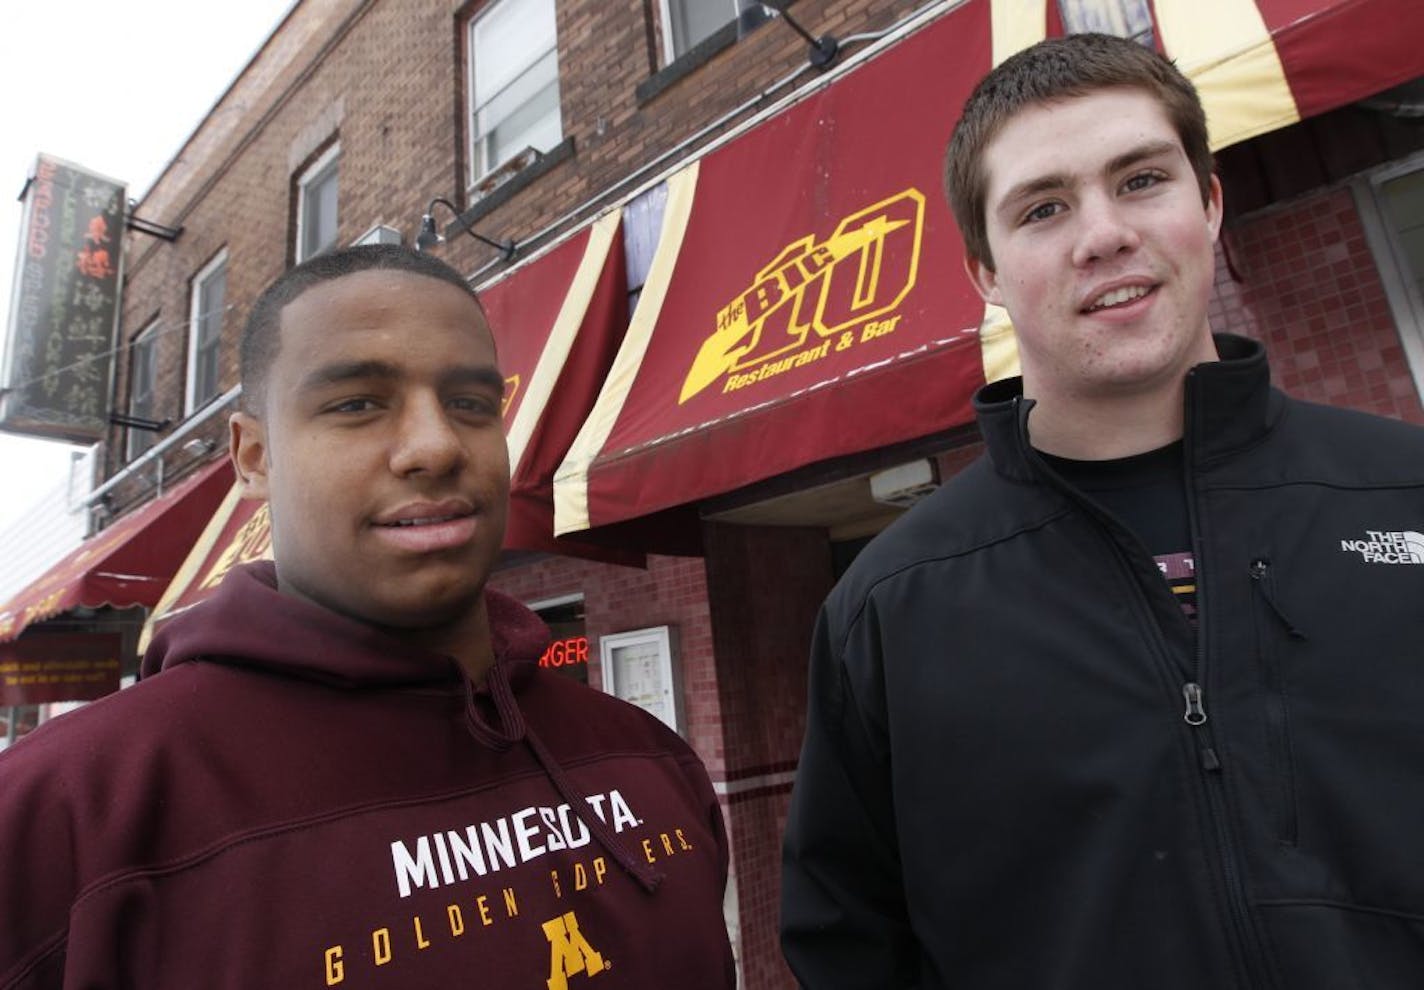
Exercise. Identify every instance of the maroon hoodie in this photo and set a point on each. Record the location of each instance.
(299, 800)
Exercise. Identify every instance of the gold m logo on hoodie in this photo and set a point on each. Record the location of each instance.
(569, 952)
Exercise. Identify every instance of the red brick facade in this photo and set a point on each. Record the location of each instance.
(386, 80)
(672, 591)
(1309, 288)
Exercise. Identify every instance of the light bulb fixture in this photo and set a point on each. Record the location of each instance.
(428, 236)
(138, 422)
(200, 446)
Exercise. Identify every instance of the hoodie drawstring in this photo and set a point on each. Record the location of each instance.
(511, 728)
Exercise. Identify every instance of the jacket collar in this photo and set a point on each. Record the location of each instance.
(1229, 405)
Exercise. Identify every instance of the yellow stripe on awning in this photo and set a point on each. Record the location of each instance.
(1017, 24)
(561, 337)
(1224, 47)
(571, 480)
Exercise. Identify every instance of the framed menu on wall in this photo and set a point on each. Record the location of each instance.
(638, 667)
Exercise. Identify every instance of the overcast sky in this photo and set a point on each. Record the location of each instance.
(115, 87)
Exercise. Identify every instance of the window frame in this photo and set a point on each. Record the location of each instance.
(1406, 303)
(328, 163)
(145, 343)
(670, 52)
(196, 286)
(479, 172)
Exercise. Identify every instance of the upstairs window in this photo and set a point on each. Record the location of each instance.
(686, 22)
(1122, 18)
(514, 84)
(143, 371)
(316, 205)
(642, 229)
(205, 322)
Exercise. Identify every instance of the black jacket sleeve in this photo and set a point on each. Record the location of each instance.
(843, 915)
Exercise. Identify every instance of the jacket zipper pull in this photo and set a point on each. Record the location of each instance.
(1196, 715)
(1259, 567)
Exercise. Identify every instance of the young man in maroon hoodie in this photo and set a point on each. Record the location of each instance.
(351, 770)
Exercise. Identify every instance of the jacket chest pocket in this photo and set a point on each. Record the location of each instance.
(1273, 630)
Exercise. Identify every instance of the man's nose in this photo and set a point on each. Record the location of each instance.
(1105, 230)
(426, 440)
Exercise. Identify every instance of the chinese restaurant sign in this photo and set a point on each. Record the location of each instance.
(45, 667)
(66, 291)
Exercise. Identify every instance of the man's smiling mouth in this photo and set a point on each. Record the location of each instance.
(423, 520)
(1117, 297)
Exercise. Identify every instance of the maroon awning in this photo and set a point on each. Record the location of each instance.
(129, 563)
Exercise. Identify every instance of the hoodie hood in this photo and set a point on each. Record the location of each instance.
(249, 623)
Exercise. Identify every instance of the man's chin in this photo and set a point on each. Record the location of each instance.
(424, 612)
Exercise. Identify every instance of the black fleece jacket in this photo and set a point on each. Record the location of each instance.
(1024, 769)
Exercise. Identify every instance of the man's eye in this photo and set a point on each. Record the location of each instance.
(1042, 211)
(1143, 180)
(352, 406)
(479, 404)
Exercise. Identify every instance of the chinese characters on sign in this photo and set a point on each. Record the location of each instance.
(57, 351)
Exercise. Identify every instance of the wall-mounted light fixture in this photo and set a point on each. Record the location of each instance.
(139, 422)
(103, 509)
(200, 446)
(429, 236)
(906, 484)
(823, 50)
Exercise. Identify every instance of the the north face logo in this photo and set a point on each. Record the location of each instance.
(569, 952)
(1387, 548)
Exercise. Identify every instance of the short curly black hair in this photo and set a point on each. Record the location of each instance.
(261, 338)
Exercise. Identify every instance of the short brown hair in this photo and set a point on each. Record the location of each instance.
(1061, 68)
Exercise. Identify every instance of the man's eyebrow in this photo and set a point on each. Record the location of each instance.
(483, 374)
(346, 371)
(342, 372)
(1061, 180)
(1142, 152)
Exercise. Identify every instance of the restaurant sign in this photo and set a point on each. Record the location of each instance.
(44, 667)
(58, 351)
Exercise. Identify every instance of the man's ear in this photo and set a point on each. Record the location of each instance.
(1214, 207)
(985, 279)
(247, 445)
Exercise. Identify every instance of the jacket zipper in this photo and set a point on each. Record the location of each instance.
(1248, 942)
(1251, 956)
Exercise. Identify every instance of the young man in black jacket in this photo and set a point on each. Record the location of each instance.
(1136, 700)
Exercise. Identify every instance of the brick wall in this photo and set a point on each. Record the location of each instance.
(767, 584)
(672, 591)
(1310, 291)
(394, 148)
(387, 78)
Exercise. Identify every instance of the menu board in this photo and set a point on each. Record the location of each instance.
(638, 667)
